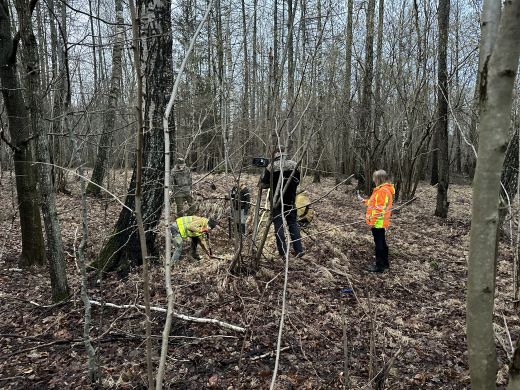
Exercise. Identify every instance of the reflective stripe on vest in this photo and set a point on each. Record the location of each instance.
(381, 218)
(183, 223)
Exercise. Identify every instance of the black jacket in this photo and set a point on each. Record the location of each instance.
(240, 199)
(282, 168)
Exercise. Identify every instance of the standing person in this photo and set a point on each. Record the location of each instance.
(240, 205)
(379, 208)
(181, 185)
(287, 170)
(194, 227)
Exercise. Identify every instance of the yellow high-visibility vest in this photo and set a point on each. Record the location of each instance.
(198, 226)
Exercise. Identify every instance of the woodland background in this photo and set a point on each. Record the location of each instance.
(347, 87)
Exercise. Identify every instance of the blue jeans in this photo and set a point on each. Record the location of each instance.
(294, 230)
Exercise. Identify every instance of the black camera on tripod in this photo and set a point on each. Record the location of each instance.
(260, 162)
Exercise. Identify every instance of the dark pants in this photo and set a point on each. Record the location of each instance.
(381, 247)
(240, 217)
(194, 243)
(177, 242)
(294, 231)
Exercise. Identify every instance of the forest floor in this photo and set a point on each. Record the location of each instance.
(414, 313)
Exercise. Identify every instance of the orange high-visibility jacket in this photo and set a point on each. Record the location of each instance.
(379, 206)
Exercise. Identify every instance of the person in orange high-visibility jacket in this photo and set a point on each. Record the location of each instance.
(194, 227)
(379, 208)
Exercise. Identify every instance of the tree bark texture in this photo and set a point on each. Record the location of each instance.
(366, 98)
(443, 160)
(33, 246)
(347, 160)
(514, 368)
(497, 81)
(29, 55)
(122, 249)
(509, 177)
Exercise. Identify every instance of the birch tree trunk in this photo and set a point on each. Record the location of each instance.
(497, 81)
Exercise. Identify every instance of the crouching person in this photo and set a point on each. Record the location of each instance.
(195, 228)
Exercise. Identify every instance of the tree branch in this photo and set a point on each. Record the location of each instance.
(178, 315)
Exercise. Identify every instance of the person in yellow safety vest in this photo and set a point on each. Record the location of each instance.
(379, 208)
(193, 227)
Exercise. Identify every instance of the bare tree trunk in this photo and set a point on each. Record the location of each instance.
(60, 289)
(290, 66)
(498, 78)
(245, 99)
(509, 177)
(122, 249)
(98, 173)
(514, 368)
(489, 23)
(58, 140)
(254, 80)
(93, 38)
(366, 97)
(33, 247)
(93, 370)
(167, 263)
(347, 154)
(378, 104)
(138, 188)
(441, 209)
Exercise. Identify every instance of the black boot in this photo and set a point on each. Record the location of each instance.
(386, 263)
(193, 253)
(376, 268)
(195, 256)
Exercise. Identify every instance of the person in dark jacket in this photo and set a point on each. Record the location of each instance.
(240, 205)
(283, 177)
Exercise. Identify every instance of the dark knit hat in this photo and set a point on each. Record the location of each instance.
(212, 223)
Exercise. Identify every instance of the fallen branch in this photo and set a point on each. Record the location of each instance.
(20, 351)
(268, 354)
(180, 316)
